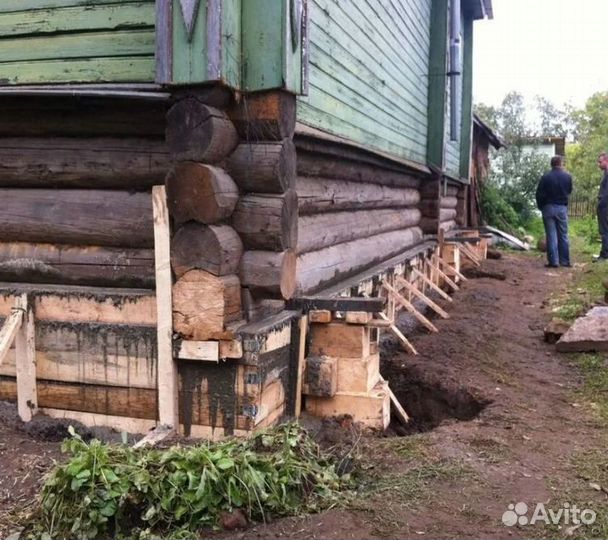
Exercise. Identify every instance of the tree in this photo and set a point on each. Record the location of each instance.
(516, 169)
(591, 131)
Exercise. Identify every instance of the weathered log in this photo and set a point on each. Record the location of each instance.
(318, 269)
(429, 208)
(450, 191)
(429, 225)
(323, 230)
(198, 132)
(203, 304)
(76, 265)
(447, 214)
(265, 116)
(200, 192)
(267, 222)
(313, 164)
(322, 195)
(448, 225)
(73, 163)
(264, 167)
(69, 116)
(429, 189)
(269, 271)
(214, 248)
(78, 217)
(448, 202)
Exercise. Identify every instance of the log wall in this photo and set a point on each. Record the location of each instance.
(75, 181)
(355, 210)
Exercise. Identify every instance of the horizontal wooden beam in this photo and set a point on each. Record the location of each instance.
(368, 305)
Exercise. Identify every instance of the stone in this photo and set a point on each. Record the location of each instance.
(588, 333)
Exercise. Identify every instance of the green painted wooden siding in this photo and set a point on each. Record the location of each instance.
(369, 65)
(63, 41)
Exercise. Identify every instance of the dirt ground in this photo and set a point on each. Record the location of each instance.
(497, 420)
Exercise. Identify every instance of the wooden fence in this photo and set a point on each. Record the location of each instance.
(580, 208)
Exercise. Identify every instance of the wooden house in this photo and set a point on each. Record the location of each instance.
(303, 145)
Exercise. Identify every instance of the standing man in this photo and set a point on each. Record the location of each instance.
(602, 206)
(552, 195)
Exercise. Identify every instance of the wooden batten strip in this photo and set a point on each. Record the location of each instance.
(470, 254)
(167, 370)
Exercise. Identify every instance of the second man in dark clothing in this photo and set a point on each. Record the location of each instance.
(552, 195)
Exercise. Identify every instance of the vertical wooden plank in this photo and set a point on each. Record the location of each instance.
(437, 83)
(214, 39)
(167, 369)
(303, 324)
(25, 349)
(466, 134)
(164, 41)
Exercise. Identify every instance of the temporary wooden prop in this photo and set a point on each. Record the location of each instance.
(19, 328)
(411, 288)
(409, 306)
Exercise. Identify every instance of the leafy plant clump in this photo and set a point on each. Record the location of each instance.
(117, 491)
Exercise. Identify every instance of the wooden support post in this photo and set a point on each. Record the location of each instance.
(25, 355)
(168, 410)
(443, 275)
(399, 334)
(415, 292)
(432, 285)
(410, 307)
(303, 322)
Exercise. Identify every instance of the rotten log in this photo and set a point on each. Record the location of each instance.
(76, 265)
(321, 195)
(265, 116)
(200, 192)
(269, 271)
(197, 132)
(203, 304)
(214, 248)
(78, 217)
(264, 167)
(323, 230)
(96, 163)
(267, 222)
(319, 269)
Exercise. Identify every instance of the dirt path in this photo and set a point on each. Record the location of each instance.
(501, 418)
(457, 480)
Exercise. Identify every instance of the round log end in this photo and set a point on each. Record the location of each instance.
(200, 192)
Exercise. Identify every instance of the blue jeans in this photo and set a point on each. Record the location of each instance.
(555, 218)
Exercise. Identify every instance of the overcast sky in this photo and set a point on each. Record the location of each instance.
(554, 48)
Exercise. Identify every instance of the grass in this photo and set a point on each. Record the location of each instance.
(586, 289)
(401, 474)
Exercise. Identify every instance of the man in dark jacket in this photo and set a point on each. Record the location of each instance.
(552, 195)
(602, 206)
